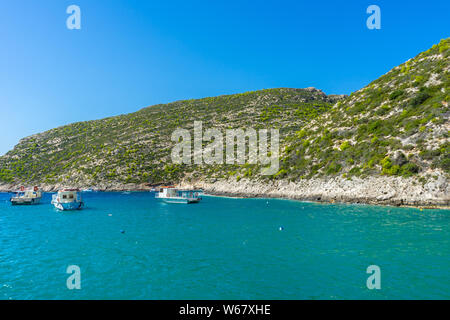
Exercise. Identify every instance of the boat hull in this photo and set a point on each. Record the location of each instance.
(25, 201)
(174, 195)
(179, 200)
(68, 205)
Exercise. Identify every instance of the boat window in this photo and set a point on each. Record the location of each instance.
(64, 196)
(71, 196)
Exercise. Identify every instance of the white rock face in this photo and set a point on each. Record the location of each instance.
(371, 190)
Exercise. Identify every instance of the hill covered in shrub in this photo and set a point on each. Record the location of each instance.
(396, 126)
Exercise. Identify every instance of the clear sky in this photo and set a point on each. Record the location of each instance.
(131, 54)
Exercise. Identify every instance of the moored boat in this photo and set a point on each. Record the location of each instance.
(174, 195)
(68, 199)
(26, 197)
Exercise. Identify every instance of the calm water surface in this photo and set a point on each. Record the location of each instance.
(221, 249)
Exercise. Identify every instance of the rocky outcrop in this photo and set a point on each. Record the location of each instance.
(381, 190)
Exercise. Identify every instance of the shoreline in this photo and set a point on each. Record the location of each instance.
(235, 196)
(382, 190)
(240, 196)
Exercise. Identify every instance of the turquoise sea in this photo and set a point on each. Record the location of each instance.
(129, 246)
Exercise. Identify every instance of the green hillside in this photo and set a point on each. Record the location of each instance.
(135, 148)
(397, 125)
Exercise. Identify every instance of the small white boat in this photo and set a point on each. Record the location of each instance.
(68, 199)
(173, 195)
(24, 197)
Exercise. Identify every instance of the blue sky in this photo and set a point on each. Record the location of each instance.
(132, 54)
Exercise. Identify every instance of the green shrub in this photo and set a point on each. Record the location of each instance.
(394, 170)
(409, 169)
(281, 173)
(355, 171)
(386, 163)
(396, 94)
(344, 145)
(333, 168)
(420, 98)
(445, 164)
